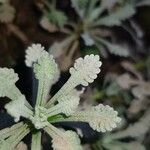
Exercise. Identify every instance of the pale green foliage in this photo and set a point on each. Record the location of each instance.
(57, 17)
(90, 64)
(72, 99)
(68, 141)
(21, 110)
(80, 6)
(87, 39)
(63, 140)
(12, 136)
(65, 101)
(45, 67)
(115, 48)
(101, 118)
(84, 72)
(93, 18)
(7, 79)
(117, 17)
(33, 53)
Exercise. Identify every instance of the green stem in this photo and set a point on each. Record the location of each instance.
(36, 141)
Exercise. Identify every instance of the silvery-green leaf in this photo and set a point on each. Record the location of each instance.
(18, 108)
(63, 140)
(8, 78)
(9, 131)
(115, 18)
(95, 14)
(67, 104)
(80, 6)
(13, 140)
(85, 71)
(87, 39)
(101, 118)
(58, 18)
(45, 69)
(115, 48)
(33, 53)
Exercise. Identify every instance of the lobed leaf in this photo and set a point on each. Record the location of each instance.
(101, 118)
(115, 18)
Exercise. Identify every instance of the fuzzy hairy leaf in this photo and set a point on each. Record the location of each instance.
(66, 104)
(9, 131)
(80, 6)
(68, 141)
(87, 39)
(22, 109)
(58, 18)
(85, 70)
(33, 53)
(115, 18)
(95, 14)
(101, 118)
(63, 140)
(114, 48)
(45, 69)
(13, 140)
(8, 78)
(47, 73)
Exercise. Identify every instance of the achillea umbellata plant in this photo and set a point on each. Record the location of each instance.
(63, 106)
(94, 25)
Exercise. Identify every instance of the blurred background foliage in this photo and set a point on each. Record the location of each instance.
(117, 30)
